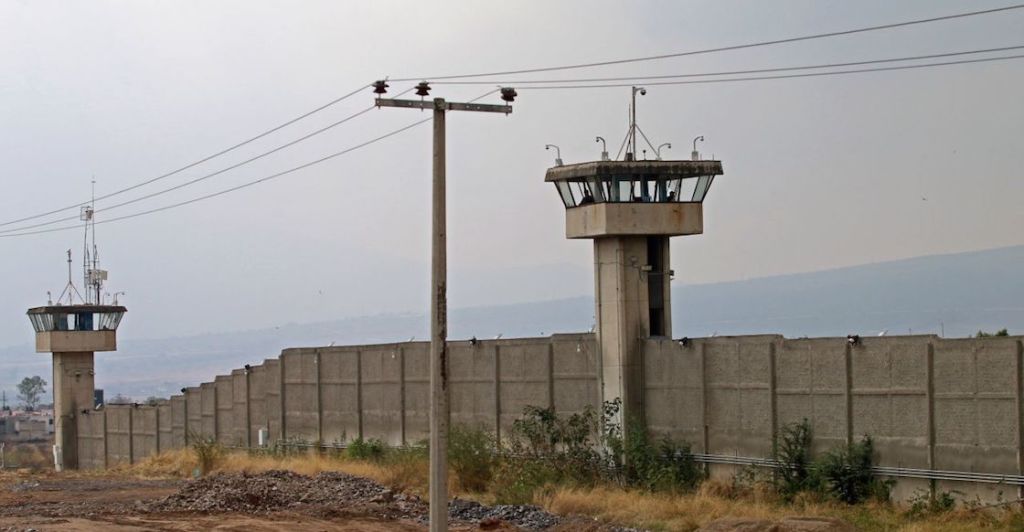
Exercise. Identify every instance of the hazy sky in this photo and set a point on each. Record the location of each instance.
(820, 172)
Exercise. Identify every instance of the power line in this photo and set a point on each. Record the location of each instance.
(735, 72)
(786, 76)
(234, 188)
(249, 183)
(722, 48)
(193, 164)
(207, 176)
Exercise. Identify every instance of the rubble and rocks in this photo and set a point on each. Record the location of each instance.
(524, 516)
(324, 494)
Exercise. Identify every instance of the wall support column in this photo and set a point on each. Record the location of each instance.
(705, 439)
(281, 398)
(1019, 374)
(156, 417)
(773, 394)
(359, 393)
(848, 392)
(131, 434)
(319, 399)
(401, 391)
(930, 393)
(551, 376)
(248, 407)
(497, 392)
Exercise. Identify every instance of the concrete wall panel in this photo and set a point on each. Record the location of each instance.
(224, 397)
(165, 430)
(194, 412)
(381, 393)
(417, 391)
(257, 396)
(575, 369)
(473, 395)
(339, 383)
(144, 432)
(889, 379)
(524, 374)
(208, 410)
(119, 444)
(177, 417)
(91, 440)
(673, 391)
(239, 408)
(274, 400)
(300, 394)
(811, 385)
(976, 404)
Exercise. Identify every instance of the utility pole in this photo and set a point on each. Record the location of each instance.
(439, 391)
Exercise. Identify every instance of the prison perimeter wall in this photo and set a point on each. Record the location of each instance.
(929, 404)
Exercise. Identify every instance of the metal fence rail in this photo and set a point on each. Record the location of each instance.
(901, 472)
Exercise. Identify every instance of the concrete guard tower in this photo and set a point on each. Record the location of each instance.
(630, 209)
(73, 331)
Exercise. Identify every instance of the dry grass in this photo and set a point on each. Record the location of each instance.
(654, 511)
(691, 511)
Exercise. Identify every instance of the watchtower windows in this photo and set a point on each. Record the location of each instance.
(76, 318)
(632, 189)
(83, 321)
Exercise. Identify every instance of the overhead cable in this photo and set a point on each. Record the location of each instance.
(735, 72)
(785, 76)
(719, 49)
(193, 164)
(246, 184)
(203, 177)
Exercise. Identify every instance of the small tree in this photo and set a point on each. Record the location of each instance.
(30, 389)
(1000, 332)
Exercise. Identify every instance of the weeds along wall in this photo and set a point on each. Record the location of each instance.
(928, 403)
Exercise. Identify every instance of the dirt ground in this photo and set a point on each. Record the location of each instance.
(275, 500)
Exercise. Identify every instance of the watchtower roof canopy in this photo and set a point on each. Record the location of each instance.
(633, 169)
(599, 182)
(76, 317)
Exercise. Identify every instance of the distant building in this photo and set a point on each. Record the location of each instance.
(17, 426)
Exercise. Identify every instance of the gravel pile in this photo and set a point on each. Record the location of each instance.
(332, 494)
(283, 490)
(524, 516)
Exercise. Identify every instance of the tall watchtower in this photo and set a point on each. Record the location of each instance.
(73, 329)
(630, 209)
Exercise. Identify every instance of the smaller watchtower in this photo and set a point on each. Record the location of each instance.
(73, 329)
(630, 208)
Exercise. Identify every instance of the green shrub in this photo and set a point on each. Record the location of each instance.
(208, 452)
(472, 455)
(665, 466)
(846, 474)
(923, 503)
(792, 452)
(518, 479)
(360, 449)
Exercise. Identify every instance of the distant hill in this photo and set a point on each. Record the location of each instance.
(960, 293)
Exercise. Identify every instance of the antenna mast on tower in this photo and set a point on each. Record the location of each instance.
(93, 276)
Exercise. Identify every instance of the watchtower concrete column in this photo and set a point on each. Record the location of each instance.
(73, 391)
